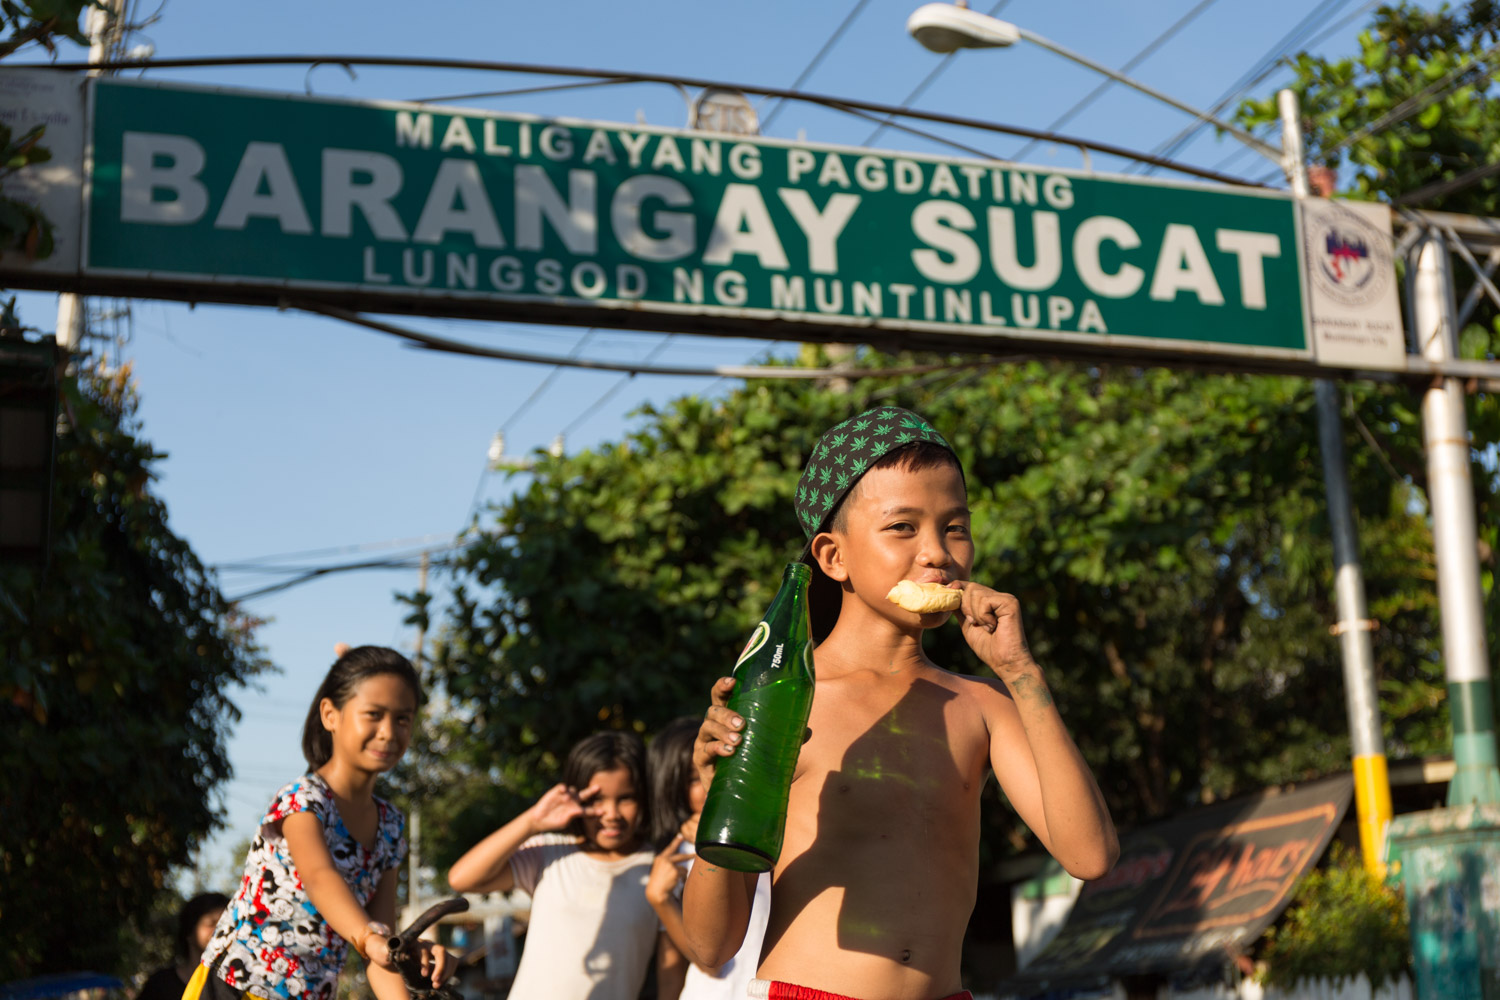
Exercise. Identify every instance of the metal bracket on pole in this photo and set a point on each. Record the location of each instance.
(1363, 625)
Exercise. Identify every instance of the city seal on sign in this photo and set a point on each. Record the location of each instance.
(1349, 259)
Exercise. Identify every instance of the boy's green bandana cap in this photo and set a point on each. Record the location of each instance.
(846, 452)
(841, 456)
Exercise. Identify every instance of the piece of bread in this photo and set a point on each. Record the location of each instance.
(924, 598)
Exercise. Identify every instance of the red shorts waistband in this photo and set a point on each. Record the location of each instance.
(790, 991)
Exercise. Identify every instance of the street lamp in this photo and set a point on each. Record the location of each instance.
(945, 28)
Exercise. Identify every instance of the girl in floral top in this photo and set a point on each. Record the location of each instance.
(321, 874)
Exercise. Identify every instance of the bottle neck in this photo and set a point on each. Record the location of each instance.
(787, 614)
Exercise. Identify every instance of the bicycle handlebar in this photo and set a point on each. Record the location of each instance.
(403, 945)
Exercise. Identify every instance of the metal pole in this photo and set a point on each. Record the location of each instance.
(1450, 494)
(1372, 786)
(414, 855)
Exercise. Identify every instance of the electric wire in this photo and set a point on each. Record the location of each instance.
(442, 344)
(612, 390)
(1451, 186)
(1132, 63)
(1258, 71)
(837, 103)
(391, 543)
(518, 91)
(926, 82)
(318, 572)
(925, 134)
(484, 472)
(282, 569)
(1418, 102)
(1422, 99)
(807, 71)
(1338, 25)
(1270, 128)
(551, 377)
(1265, 133)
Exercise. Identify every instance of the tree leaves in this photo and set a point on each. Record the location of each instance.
(116, 665)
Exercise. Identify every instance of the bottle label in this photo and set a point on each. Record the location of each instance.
(757, 640)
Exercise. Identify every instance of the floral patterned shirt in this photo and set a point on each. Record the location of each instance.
(270, 942)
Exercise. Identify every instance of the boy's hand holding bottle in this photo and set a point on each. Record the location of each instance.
(719, 734)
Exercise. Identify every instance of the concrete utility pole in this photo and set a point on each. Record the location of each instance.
(414, 866)
(422, 629)
(102, 24)
(1372, 785)
(1450, 492)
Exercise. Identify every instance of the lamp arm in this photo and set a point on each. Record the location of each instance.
(1264, 149)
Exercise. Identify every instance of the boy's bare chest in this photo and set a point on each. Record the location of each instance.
(921, 746)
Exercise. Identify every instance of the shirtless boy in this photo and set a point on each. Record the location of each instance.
(879, 868)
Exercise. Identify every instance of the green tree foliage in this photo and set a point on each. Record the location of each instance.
(1411, 118)
(1414, 108)
(41, 22)
(1164, 532)
(1342, 922)
(116, 664)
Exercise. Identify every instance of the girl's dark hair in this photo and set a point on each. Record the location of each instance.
(193, 911)
(606, 752)
(670, 760)
(347, 673)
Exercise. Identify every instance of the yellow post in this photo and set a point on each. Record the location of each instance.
(1372, 802)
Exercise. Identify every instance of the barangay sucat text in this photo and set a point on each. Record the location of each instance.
(527, 207)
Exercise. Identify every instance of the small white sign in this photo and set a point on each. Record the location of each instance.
(1354, 313)
(32, 97)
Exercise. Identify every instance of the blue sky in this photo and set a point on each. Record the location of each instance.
(289, 433)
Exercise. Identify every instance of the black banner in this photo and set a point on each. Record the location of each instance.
(1195, 889)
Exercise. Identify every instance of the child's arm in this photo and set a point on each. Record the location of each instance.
(486, 866)
(329, 893)
(666, 874)
(1036, 761)
(436, 961)
(716, 901)
(386, 984)
(671, 968)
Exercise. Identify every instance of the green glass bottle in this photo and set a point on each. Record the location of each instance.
(745, 815)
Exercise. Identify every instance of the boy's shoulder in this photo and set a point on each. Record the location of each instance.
(973, 685)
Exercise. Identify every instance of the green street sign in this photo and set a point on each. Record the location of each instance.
(237, 196)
